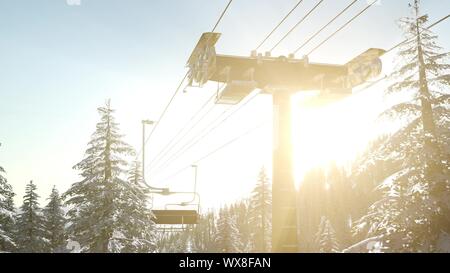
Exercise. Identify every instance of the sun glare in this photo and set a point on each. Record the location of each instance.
(323, 134)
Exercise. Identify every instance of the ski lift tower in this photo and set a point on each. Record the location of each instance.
(280, 77)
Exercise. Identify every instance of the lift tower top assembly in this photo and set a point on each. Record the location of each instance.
(281, 77)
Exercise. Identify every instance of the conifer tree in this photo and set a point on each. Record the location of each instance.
(203, 233)
(339, 191)
(227, 237)
(326, 240)
(413, 212)
(98, 204)
(246, 230)
(7, 214)
(312, 204)
(54, 223)
(30, 228)
(177, 242)
(182, 243)
(260, 214)
(136, 215)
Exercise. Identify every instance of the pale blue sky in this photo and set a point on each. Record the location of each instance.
(59, 62)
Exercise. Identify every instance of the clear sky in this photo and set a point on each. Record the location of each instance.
(59, 62)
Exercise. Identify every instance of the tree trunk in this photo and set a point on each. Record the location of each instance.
(429, 126)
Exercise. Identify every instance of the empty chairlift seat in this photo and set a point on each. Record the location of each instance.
(175, 217)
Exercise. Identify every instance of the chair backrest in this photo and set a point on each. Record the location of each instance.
(175, 217)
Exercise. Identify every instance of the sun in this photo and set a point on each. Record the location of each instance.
(335, 132)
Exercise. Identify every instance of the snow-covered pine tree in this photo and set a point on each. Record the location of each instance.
(7, 215)
(261, 214)
(326, 241)
(210, 232)
(190, 248)
(413, 214)
(365, 176)
(184, 242)
(242, 215)
(339, 207)
(161, 242)
(203, 234)
(181, 242)
(176, 242)
(54, 223)
(30, 228)
(96, 203)
(227, 237)
(313, 202)
(136, 216)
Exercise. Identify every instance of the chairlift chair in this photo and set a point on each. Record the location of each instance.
(179, 216)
